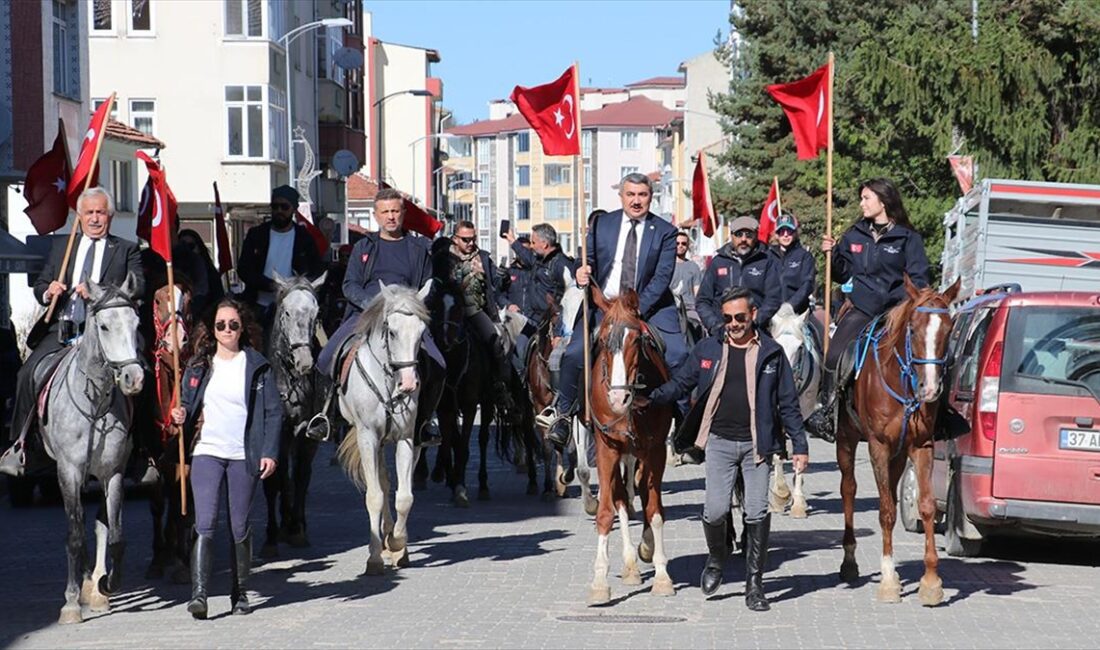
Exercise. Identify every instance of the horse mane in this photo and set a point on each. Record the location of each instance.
(897, 319)
(390, 298)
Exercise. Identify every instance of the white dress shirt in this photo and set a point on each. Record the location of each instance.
(614, 278)
(82, 254)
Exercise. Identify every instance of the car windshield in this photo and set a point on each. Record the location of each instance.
(1053, 350)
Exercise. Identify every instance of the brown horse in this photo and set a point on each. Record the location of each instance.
(893, 407)
(625, 360)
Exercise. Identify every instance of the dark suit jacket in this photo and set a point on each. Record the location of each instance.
(656, 264)
(119, 258)
(360, 286)
(305, 259)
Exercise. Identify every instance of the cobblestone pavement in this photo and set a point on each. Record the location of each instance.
(513, 572)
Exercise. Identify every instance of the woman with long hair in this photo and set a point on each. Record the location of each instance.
(871, 261)
(231, 407)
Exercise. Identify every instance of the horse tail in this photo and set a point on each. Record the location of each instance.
(350, 459)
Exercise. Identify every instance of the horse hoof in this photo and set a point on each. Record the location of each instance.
(461, 500)
(376, 568)
(402, 559)
(663, 587)
(568, 476)
(598, 595)
(645, 553)
(849, 572)
(798, 511)
(889, 592)
(99, 603)
(559, 484)
(930, 594)
(532, 489)
(591, 506)
(483, 494)
(269, 551)
(70, 615)
(632, 577)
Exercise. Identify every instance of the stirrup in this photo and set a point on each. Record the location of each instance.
(14, 460)
(547, 417)
(318, 428)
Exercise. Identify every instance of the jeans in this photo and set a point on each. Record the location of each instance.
(725, 458)
(208, 473)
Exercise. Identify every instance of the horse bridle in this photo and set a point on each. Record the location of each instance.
(123, 302)
(99, 397)
(633, 384)
(396, 403)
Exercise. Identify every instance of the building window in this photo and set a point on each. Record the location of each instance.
(628, 140)
(587, 178)
(523, 142)
(244, 18)
(143, 115)
(463, 211)
(102, 17)
(141, 17)
(588, 206)
(460, 147)
(523, 209)
(276, 106)
(483, 145)
(329, 42)
(523, 176)
(483, 184)
(483, 218)
(586, 143)
(122, 185)
(557, 209)
(96, 103)
(278, 14)
(559, 174)
(244, 110)
(626, 171)
(66, 49)
(565, 241)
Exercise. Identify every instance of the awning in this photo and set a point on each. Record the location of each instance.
(15, 257)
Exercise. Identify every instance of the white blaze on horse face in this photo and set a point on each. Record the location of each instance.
(617, 397)
(297, 312)
(930, 387)
(404, 344)
(116, 329)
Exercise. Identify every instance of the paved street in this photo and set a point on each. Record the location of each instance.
(513, 572)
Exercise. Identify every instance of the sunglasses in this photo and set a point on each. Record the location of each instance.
(233, 325)
(681, 243)
(468, 240)
(740, 318)
(280, 206)
(785, 232)
(745, 234)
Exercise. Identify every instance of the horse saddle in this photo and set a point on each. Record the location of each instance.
(44, 374)
(345, 359)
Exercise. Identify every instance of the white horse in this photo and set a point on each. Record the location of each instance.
(383, 390)
(571, 303)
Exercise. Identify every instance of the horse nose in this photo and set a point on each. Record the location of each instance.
(617, 399)
(409, 380)
(131, 379)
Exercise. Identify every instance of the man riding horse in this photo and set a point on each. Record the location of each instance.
(634, 249)
(549, 266)
(99, 257)
(744, 262)
(392, 256)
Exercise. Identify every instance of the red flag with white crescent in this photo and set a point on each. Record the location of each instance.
(806, 103)
(769, 214)
(553, 111)
(221, 235)
(161, 208)
(702, 210)
(86, 163)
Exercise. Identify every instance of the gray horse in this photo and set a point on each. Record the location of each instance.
(86, 430)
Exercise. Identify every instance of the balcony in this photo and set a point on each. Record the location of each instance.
(336, 135)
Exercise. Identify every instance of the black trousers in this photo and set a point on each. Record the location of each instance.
(847, 329)
(25, 396)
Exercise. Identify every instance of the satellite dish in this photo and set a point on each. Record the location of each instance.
(348, 58)
(345, 162)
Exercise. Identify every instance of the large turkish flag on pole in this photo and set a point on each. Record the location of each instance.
(769, 214)
(553, 112)
(702, 209)
(87, 163)
(44, 188)
(161, 208)
(806, 103)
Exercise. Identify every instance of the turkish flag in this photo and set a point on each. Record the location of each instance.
(221, 235)
(702, 209)
(963, 168)
(160, 206)
(417, 219)
(769, 214)
(44, 188)
(553, 111)
(806, 103)
(87, 163)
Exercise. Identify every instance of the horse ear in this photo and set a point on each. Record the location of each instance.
(382, 286)
(320, 281)
(95, 292)
(803, 316)
(630, 301)
(952, 291)
(598, 297)
(129, 285)
(911, 288)
(279, 280)
(425, 290)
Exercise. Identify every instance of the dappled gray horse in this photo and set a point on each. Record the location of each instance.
(86, 430)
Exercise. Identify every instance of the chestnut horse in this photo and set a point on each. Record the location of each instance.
(625, 360)
(893, 407)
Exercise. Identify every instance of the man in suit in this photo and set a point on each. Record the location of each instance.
(97, 256)
(627, 249)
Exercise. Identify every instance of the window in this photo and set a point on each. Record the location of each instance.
(586, 144)
(628, 140)
(483, 149)
(626, 171)
(122, 185)
(483, 218)
(244, 110)
(66, 49)
(483, 184)
(278, 15)
(460, 147)
(96, 103)
(523, 175)
(1052, 350)
(972, 350)
(557, 209)
(523, 209)
(143, 115)
(329, 42)
(523, 142)
(559, 174)
(276, 106)
(141, 17)
(244, 18)
(463, 211)
(565, 241)
(587, 178)
(102, 17)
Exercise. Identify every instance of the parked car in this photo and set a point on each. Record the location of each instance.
(1018, 446)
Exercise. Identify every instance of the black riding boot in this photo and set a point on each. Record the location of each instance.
(424, 435)
(756, 558)
(821, 423)
(718, 552)
(241, 569)
(202, 556)
(561, 430)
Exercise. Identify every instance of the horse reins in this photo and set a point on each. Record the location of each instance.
(632, 385)
(396, 403)
(297, 390)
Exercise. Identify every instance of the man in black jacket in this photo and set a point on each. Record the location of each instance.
(97, 256)
(744, 262)
(745, 400)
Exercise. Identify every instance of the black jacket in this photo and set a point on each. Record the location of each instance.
(265, 406)
(758, 272)
(360, 285)
(547, 277)
(797, 275)
(877, 269)
(494, 281)
(515, 283)
(253, 257)
(120, 257)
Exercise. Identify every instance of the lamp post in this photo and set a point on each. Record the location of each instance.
(415, 92)
(286, 40)
(430, 136)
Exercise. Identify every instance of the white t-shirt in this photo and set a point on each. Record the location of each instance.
(280, 259)
(225, 410)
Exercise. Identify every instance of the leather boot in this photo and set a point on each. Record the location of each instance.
(202, 556)
(756, 558)
(241, 569)
(561, 431)
(821, 422)
(717, 554)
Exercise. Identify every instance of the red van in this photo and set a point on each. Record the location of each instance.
(1021, 452)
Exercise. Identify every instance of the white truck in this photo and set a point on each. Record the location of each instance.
(1040, 236)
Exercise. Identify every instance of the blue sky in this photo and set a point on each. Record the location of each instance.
(488, 47)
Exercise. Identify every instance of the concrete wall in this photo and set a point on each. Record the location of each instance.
(405, 119)
(704, 74)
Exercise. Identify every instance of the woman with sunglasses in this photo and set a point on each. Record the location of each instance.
(870, 261)
(796, 264)
(231, 407)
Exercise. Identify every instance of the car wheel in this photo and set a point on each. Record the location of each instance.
(955, 544)
(908, 500)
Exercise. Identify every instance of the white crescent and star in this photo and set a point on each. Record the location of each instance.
(559, 117)
(820, 106)
(90, 135)
(771, 210)
(158, 209)
(59, 184)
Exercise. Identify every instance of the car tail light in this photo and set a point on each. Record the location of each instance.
(989, 391)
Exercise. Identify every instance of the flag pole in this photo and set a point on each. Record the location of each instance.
(584, 242)
(76, 224)
(828, 211)
(778, 202)
(176, 387)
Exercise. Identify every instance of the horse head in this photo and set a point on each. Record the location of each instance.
(620, 348)
(172, 310)
(928, 327)
(395, 321)
(788, 330)
(112, 326)
(296, 321)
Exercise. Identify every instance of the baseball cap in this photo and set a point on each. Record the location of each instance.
(744, 223)
(786, 221)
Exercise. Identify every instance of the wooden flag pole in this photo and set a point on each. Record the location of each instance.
(829, 212)
(584, 243)
(76, 225)
(176, 387)
(778, 202)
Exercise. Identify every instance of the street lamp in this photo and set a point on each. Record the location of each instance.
(430, 136)
(415, 92)
(286, 40)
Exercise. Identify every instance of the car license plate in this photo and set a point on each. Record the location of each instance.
(1083, 439)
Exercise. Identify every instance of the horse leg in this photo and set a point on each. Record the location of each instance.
(584, 474)
(530, 444)
(116, 547)
(599, 592)
(630, 575)
(387, 512)
(798, 498)
(630, 469)
(655, 519)
(420, 474)
(779, 494)
(287, 466)
(270, 548)
(889, 588)
(156, 513)
(931, 586)
(397, 542)
(483, 447)
(462, 459)
(181, 529)
(303, 475)
(95, 598)
(70, 480)
(375, 498)
(846, 462)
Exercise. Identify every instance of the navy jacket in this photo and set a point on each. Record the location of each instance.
(547, 276)
(265, 406)
(777, 407)
(305, 260)
(877, 270)
(515, 281)
(360, 285)
(759, 273)
(656, 263)
(797, 275)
